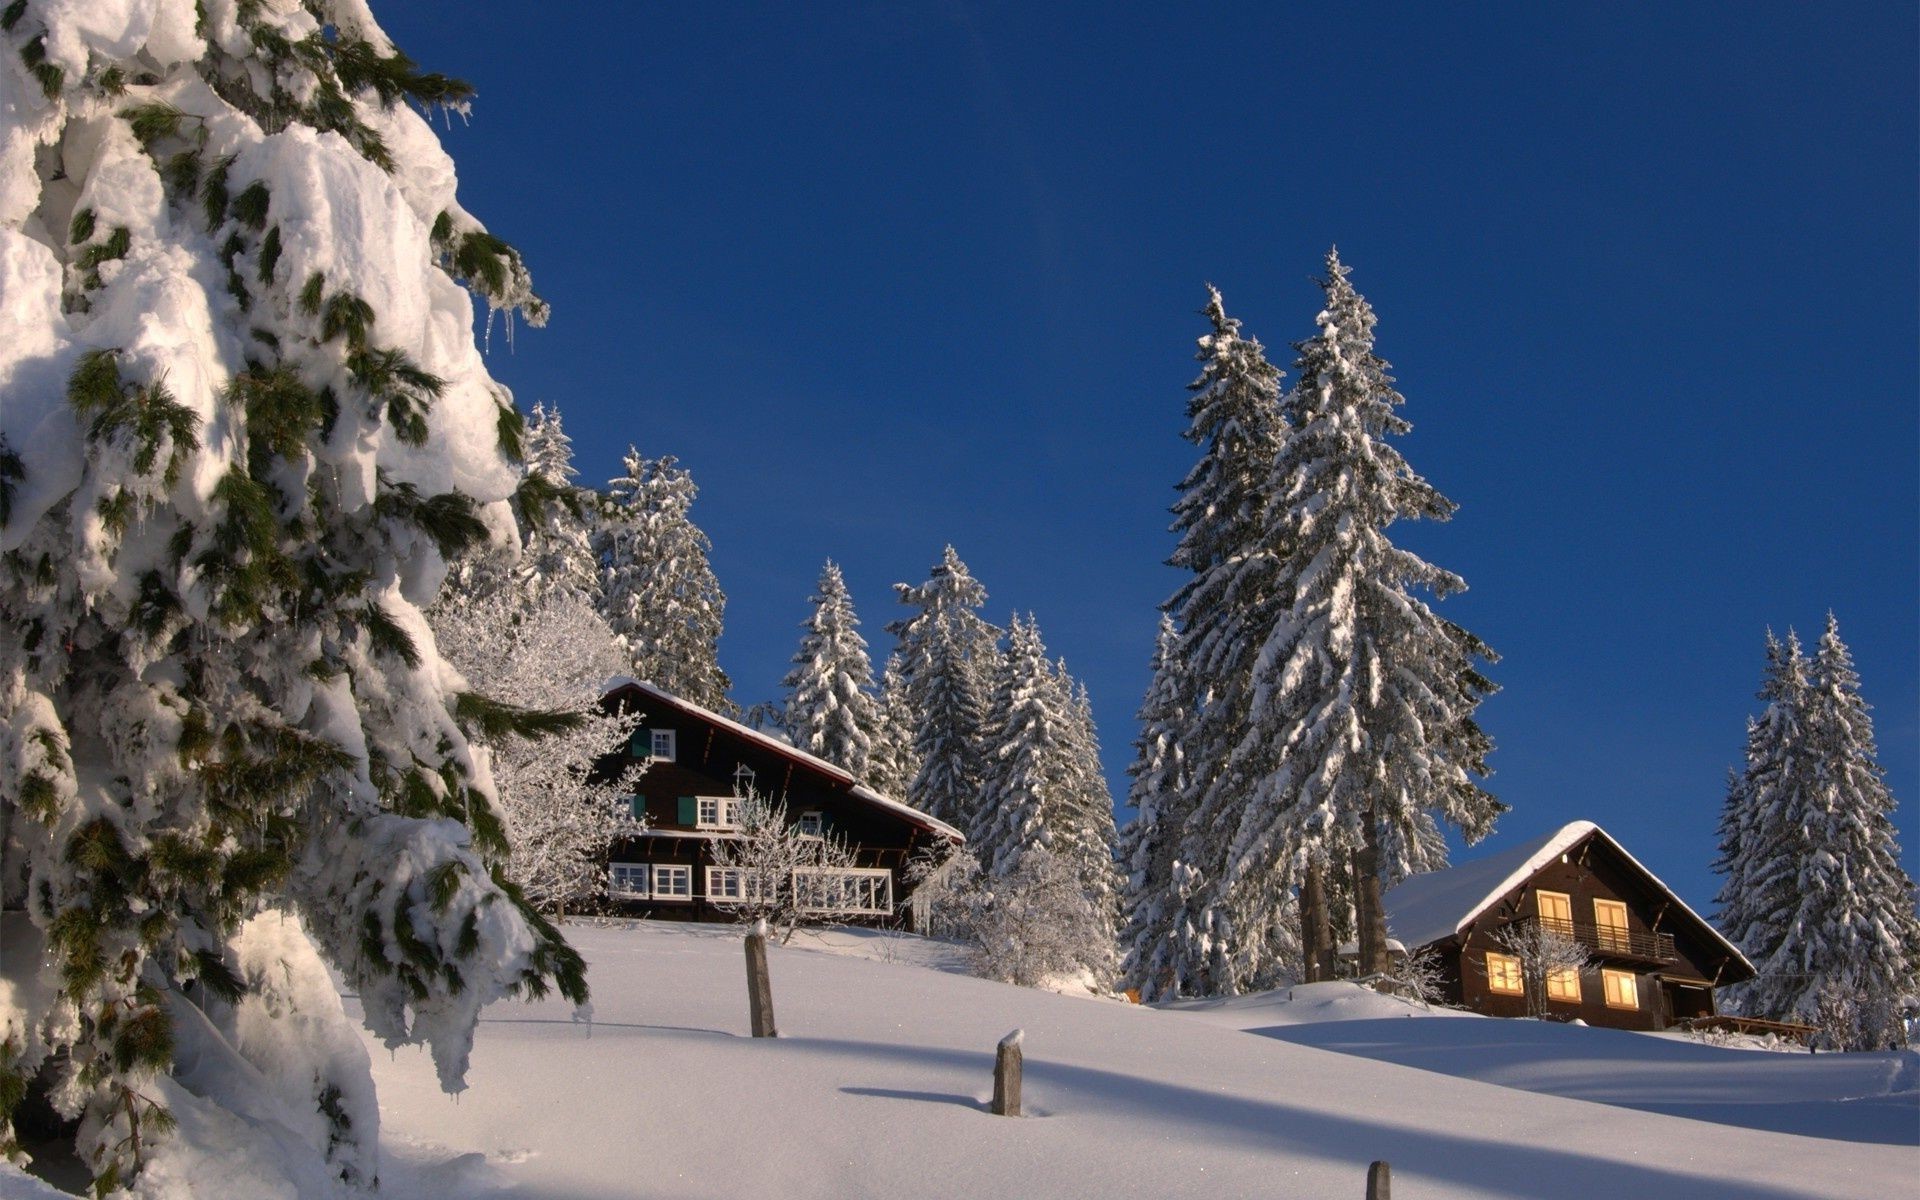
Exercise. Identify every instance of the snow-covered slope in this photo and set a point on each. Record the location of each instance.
(877, 1087)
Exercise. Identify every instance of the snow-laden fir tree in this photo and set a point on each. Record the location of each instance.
(549, 652)
(1089, 836)
(1815, 895)
(245, 426)
(1755, 845)
(1360, 735)
(948, 656)
(657, 590)
(892, 765)
(552, 552)
(830, 710)
(1222, 613)
(1148, 843)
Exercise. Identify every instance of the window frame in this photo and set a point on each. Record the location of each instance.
(617, 869)
(818, 820)
(1610, 977)
(1499, 967)
(726, 812)
(1608, 935)
(1563, 920)
(659, 739)
(679, 871)
(1567, 980)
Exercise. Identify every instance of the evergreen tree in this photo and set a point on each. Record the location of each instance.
(1222, 612)
(1148, 843)
(947, 655)
(892, 765)
(557, 552)
(1037, 796)
(1815, 895)
(238, 447)
(659, 593)
(1361, 730)
(830, 711)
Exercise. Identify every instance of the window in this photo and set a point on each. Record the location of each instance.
(716, 812)
(672, 883)
(1610, 921)
(1620, 988)
(732, 885)
(811, 824)
(1564, 984)
(632, 880)
(853, 890)
(1556, 911)
(1503, 975)
(663, 744)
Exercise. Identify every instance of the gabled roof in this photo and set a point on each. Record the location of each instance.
(1424, 909)
(792, 753)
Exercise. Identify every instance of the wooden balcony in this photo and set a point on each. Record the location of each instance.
(1610, 941)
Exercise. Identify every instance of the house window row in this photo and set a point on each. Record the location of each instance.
(1609, 919)
(1505, 978)
(822, 890)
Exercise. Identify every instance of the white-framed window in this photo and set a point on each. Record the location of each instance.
(630, 880)
(734, 885)
(716, 812)
(664, 744)
(1503, 975)
(849, 890)
(811, 824)
(1621, 989)
(671, 882)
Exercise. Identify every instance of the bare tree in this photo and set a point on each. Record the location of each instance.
(1546, 951)
(777, 871)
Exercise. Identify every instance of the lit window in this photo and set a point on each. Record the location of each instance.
(1620, 988)
(1556, 911)
(664, 744)
(810, 824)
(1503, 975)
(1610, 921)
(672, 883)
(716, 812)
(1564, 984)
(629, 880)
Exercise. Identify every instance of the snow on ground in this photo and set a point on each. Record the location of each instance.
(1853, 1097)
(877, 1086)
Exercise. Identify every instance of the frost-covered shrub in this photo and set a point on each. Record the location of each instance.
(245, 426)
(771, 854)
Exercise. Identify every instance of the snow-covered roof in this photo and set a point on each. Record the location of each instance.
(1426, 908)
(860, 791)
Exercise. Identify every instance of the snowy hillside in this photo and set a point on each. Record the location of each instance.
(877, 1084)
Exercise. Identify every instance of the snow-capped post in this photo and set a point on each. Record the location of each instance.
(759, 983)
(1379, 1181)
(1006, 1075)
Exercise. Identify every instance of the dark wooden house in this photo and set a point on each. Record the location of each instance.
(1654, 961)
(698, 766)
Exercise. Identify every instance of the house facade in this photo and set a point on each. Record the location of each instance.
(1653, 961)
(698, 766)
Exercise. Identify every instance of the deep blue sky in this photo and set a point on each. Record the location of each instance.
(887, 277)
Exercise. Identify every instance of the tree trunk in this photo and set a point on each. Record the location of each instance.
(1368, 913)
(1316, 933)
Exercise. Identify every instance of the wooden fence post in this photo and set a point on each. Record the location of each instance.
(1379, 1181)
(1006, 1075)
(759, 983)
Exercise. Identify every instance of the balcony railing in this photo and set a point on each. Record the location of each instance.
(1609, 941)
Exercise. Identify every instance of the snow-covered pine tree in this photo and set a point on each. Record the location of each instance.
(830, 711)
(948, 656)
(1148, 843)
(1089, 834)
(556, 556)
(892, 765)
(1222, 612)
(1361, 730)
(245, 427)
(549, 651)
(1756, 847)
(1827, 914)
(657, 590)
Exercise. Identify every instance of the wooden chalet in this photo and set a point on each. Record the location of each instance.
(698, 766)
(1655, 962)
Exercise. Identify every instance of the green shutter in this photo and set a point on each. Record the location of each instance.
(639, 804)
(640, 745)
(689, 811)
